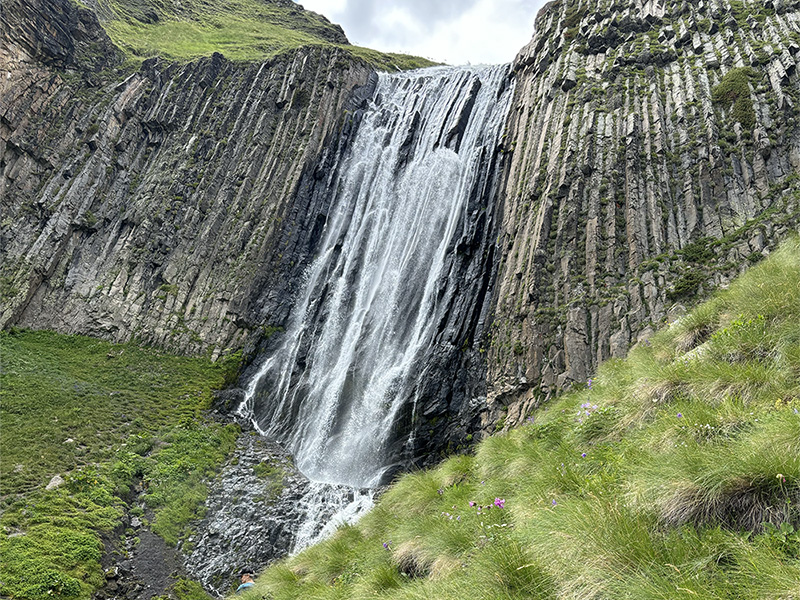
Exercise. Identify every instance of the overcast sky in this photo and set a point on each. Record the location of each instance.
(452, 31)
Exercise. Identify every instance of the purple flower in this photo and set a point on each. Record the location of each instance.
(680, 415)
(500, 502)
(471, 503)
(554, 502)
(589, 384)
(583, 455)
(387, 544)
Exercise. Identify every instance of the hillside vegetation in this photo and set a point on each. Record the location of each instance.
(675, 473)
(242, 30)
(110, 420)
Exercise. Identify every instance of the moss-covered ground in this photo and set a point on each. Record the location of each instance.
(673, 474)
(242, 30)
(106, 418)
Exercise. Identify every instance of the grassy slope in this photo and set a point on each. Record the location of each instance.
(242, 30)
(674, 474)
(104, 417)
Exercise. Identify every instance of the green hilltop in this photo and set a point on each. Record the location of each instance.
(674, 473)
(242, 30)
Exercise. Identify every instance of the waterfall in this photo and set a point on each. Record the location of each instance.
(350, 361)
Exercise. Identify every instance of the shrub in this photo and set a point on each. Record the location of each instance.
(734, 91)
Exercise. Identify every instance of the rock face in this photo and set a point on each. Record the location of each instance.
(655, 154)
(252, 517)
(56, 33)
(155, 204)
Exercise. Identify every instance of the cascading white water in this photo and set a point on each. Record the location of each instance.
(371, 300)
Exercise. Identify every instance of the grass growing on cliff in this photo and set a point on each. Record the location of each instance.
(674, 474)
(734, 91)
(242, 30)
(105, 418)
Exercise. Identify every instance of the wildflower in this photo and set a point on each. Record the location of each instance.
(583, 454)
(680, 415)
(441, 491)
(387, 544)
(471, 503)
(554, 502)
(500, 502)
(781, 477)
(589, 383)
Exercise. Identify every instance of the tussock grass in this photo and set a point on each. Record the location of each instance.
(674, 475)
(752, 479)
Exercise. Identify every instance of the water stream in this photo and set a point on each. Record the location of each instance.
(351, 357)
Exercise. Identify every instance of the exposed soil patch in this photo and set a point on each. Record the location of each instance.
(139, 564)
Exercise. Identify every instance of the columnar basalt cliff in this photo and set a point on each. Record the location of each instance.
(651, 153)
(155, 204)
(656, 153)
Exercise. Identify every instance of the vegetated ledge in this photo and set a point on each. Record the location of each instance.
(674, 473)
(241, 30)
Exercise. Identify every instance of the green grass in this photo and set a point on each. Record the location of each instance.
(675, 474)
(105, 418)
(734, 91)
(242, 30)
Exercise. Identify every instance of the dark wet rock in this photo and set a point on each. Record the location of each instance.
(252, 517)
(58, 33)
(226, 401)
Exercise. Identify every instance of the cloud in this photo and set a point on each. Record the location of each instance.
(453, 31)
